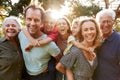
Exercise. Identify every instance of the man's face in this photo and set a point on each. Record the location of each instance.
(11, 28)
(33, 21)
(106, 24)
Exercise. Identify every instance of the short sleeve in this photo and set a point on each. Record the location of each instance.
(53, 49)
(70, 38)
(53, 34)
(69, 60)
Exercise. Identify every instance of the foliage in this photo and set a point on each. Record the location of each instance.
(13, 9)
(53, 4)
(80, 10)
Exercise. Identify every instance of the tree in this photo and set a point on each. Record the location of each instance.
(82, 10)
(53, 4)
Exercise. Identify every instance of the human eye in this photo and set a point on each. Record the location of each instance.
(7, 25)
(92, 28)
(13, 25)
(29, 19)
(85, 29)
(110, 21)
(37, 20)
(64, 23)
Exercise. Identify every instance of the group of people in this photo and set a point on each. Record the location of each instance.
(49, 49)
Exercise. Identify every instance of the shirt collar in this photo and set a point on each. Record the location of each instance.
(110, 38)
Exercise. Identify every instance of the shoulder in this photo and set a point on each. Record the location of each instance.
(43, 35)
(2, 39)
(70, 38)
(74, 48)
(20, 33)
(117, 37)
(75, 51)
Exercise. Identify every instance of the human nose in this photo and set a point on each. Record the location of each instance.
(106, 24)
(89, 31)
(49, 24)
(32, 22)
(10, 26)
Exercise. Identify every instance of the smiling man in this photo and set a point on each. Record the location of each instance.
(109, 53)
(36, 60)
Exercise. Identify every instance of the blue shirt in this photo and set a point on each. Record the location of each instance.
(109, 59)
(36, 60)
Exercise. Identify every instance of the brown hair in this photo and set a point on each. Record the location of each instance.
(68, 23)
(34, 7)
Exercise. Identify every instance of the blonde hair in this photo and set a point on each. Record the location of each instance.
(98, 35)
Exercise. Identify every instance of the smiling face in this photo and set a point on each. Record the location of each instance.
(11, 28)
(49, 24)
(62, 26)
(33, 21)
(106, 24)
(89, 31)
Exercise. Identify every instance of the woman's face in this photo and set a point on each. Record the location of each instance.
(11, 28)
(62, 27)
(89, 31)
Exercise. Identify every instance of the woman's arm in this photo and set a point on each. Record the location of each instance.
(34, 42)
(79, 45)
(60, 68)
(69, 74)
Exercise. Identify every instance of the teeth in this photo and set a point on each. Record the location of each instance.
(10, 31)
(90, 37)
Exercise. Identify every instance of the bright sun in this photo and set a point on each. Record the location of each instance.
(14, 1)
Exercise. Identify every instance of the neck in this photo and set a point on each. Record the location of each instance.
(106, 36)
(14, 40)
(86, 44)
(64, 37)
(37, 35)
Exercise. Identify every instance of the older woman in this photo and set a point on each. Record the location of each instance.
(79, 61)
(11, 61)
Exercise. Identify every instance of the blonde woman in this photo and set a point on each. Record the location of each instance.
(79, 61)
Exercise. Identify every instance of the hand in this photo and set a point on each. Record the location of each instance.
(28, 48)
(90, 49)
(92, 53)
(35, 43)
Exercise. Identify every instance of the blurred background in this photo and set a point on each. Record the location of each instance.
(69, 8)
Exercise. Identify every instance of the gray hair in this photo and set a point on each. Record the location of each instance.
(11, 18)
(108, 12)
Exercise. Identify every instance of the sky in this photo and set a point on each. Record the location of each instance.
(114, 5)
(14, 1)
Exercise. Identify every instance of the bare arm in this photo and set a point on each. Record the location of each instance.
(60, 68)
(79, 45)
(45, 41)
(34, 42)
(69, 74)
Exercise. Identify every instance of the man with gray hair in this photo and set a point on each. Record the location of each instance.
(109, 52)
